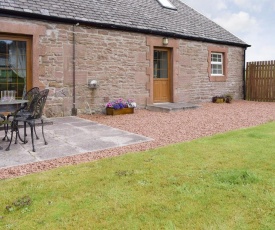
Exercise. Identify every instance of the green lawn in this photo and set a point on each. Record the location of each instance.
(222, 182)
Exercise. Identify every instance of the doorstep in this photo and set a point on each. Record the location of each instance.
(170, 107)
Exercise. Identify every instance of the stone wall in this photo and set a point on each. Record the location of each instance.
(117, 60)
(194, 83)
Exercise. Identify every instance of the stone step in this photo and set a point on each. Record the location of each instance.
(170, 107)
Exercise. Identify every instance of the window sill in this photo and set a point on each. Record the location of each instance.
(217, 78)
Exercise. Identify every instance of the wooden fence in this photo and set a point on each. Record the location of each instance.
(260, 81)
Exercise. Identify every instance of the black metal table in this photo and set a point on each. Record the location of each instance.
(10, 106)
(7, 107)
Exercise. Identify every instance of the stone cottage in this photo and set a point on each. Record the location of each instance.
(92, 51)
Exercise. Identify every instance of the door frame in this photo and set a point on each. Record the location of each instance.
(170, 73)
(34, 32)
(157, 42)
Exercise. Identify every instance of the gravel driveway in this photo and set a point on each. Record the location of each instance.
(164, 128)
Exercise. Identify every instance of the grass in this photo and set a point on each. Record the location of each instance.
(225, 181)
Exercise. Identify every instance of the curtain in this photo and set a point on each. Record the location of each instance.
(17, 60)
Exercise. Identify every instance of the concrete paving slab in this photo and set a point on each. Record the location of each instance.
(170, 107)
(67, 136)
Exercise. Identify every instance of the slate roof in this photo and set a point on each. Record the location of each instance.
(146, 16)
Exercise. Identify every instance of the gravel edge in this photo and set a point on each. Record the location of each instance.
(164, 129)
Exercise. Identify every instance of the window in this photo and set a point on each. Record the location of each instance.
(160, 64)
(217, 63)
(14, 69)
(167, 4)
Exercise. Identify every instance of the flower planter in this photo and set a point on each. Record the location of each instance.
(218, 99)
(222, 99)
(111, 111)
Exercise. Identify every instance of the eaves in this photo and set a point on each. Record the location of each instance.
(113, 26)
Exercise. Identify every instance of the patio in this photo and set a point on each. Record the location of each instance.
(67, 137)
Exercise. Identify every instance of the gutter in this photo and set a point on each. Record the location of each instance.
(18, 14)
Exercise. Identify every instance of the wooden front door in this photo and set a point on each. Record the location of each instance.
(162, 75)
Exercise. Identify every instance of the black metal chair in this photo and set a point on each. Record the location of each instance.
(6, 124)
(30, 95)
(29, 117)
(24, 108)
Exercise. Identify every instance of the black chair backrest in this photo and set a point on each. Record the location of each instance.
(30, 95)
(38, 104)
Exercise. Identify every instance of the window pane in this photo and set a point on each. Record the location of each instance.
(3, 60)
(13, 66)
(216, 57)
(216, 69)
(156, 55)
(3, 46)
(160, 64)
(213, 57)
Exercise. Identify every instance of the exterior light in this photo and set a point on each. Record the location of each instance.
(92, 84)
(165, 41)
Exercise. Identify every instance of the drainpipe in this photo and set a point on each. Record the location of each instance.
(244, 72)
(74, 110)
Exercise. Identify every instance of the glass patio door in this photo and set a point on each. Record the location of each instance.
(15, 69)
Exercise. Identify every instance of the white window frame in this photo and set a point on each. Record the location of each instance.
(167, 4)
(219, 63)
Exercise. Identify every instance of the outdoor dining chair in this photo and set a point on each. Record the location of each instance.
(6, 123)
(30, 95)
(29, 117)
(25, 108)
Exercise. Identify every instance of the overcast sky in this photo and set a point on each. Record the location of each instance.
(253, 21)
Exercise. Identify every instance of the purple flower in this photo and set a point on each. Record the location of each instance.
(120, 103)
(116, 106)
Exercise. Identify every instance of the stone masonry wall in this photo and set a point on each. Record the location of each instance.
(117, 60)
(194, 84)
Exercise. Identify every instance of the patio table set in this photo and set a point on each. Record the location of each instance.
(16, 113)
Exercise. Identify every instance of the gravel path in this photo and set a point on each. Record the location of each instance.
(164, 128)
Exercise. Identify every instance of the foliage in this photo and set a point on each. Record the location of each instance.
(121, 103)
(223, 98)
(209, 183)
